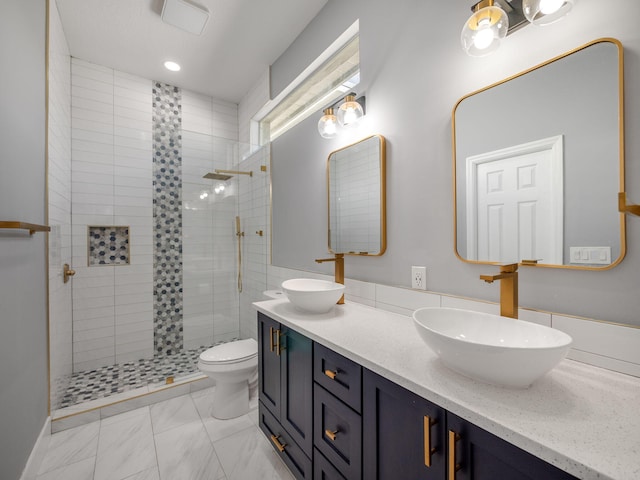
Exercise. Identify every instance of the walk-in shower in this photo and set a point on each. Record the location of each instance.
(204, 276)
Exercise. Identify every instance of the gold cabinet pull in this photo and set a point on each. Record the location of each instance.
(453, 466)
(428, 449)
(331, 434)
(276, 442)
(331, 374)
(271, 344)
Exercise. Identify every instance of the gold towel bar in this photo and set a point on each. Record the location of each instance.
(32, 227)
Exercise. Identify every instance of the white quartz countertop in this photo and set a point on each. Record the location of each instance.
(583, 419)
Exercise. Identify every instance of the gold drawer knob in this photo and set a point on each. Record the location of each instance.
(331, 434)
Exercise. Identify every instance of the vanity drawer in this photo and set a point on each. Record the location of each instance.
(292, 455)
(338, 375)
(322, 468)
(337, 433)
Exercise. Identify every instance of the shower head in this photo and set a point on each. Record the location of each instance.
(217, 176)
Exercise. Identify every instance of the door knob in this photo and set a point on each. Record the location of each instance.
(67, 272)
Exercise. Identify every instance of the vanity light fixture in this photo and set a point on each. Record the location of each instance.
(492, 20)
(328, 124)
(350, 113)
(484, 29)
(544, 12)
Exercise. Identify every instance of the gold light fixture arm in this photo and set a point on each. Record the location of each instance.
(624, 208)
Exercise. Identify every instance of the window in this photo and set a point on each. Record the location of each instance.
(331, 80)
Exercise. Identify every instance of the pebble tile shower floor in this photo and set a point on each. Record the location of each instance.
(105, 381)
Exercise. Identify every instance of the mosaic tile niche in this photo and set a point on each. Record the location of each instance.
(108, 245)
(167, 219)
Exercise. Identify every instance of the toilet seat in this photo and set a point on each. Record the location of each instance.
(229, 353)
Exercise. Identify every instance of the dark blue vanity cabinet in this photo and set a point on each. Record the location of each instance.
(337, 419)
(286, 393)
(475, 454)
(403, 434)
(332, 419)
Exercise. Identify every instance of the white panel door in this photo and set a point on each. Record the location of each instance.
(516, 204)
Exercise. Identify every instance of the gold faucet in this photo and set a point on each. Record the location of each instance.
(508, 277)
(339, 271)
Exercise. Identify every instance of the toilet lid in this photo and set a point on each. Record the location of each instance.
(231, 352)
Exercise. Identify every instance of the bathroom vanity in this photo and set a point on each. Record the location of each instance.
(356, 394)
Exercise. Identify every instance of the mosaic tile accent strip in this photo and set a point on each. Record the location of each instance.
(108, 245)
(105, 381)
(167, 217)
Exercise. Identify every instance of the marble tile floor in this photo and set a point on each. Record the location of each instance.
(173, 440)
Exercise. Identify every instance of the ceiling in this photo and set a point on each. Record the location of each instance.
(241, 39)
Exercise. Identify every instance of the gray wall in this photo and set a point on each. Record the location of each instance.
(413, 72)
(23, 319)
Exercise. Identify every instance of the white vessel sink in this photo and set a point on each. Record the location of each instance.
(493, 349)
(312, 296)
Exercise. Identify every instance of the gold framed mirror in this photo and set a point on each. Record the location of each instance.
(356, 187)
(538, 162)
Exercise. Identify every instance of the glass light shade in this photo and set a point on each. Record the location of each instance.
(328, 124)
(544, 12)
(482, 33)
(350, 112)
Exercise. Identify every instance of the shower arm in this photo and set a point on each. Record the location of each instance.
(235, 172)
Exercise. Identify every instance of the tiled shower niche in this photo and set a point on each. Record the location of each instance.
(108, 245)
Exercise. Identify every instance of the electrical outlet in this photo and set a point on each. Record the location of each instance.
(419, 277)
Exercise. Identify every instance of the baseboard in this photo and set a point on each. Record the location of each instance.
(30, 471)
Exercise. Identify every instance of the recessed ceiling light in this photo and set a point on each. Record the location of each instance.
(173, 66)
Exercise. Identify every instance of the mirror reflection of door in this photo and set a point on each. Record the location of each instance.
(516, 199)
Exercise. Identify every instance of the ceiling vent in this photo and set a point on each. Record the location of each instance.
(185, 15)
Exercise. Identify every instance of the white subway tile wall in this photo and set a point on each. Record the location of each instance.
(609, 346)
(59, 182)
(111, 151)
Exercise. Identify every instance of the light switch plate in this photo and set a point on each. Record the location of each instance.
(590, 255)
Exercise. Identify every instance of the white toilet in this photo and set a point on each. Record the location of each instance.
(231, 366)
